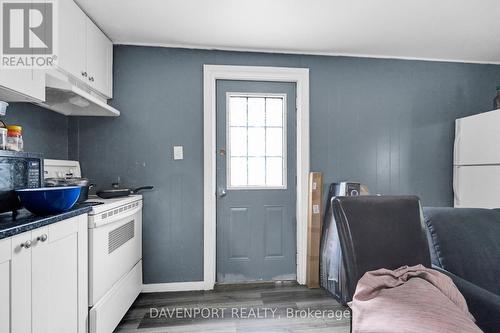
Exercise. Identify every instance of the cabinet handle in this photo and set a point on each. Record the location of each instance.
(84, 74)
(42, 238)
(91, 79)
(26, 244)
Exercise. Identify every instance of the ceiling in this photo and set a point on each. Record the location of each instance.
(449, 30)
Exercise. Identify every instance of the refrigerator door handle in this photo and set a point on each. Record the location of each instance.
(456, 145)
(456, 187)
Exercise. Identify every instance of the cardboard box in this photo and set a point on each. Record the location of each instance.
(315, 218)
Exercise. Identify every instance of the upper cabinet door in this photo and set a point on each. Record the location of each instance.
(71, 49)
(22, 85)
(99, 59)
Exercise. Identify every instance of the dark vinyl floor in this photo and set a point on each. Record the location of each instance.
(268, 307)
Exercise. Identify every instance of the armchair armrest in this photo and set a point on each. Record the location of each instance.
(483, 304)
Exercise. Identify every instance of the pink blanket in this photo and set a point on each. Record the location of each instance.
(409, 299)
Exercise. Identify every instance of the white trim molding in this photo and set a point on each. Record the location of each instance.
(212, 73)
(305, 52)
(174, 286)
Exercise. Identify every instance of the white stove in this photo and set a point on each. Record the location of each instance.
(114, 252)
(105, 211)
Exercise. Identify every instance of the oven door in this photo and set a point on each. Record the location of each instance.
(114, 249)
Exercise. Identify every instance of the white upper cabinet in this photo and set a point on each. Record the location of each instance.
(22, 85)
(99, 59)
(84, 58)
(71, 48)
(84, 50)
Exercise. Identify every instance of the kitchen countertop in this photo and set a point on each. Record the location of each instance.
(26, 221)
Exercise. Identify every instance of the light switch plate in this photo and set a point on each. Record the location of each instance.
(178, 153)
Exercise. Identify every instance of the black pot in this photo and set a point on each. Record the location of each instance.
(84, 193)
(82, 182)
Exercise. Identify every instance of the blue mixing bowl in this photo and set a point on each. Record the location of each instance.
(49, 200)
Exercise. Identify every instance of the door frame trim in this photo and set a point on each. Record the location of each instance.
(212, 73)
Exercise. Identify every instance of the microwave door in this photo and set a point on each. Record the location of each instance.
(8, 198)
(16, 172)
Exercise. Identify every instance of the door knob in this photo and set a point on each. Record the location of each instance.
(222, 192)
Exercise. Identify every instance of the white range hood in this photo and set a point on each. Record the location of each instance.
(64, 96)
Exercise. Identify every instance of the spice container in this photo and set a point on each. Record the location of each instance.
(15, 138)
(3, 138)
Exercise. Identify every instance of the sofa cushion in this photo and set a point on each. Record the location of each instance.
(466, 242)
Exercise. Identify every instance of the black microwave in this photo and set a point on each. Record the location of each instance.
(18, 170)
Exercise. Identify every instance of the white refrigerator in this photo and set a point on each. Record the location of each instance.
(476, 161)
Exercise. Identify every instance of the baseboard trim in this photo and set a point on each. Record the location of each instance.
(175, 286)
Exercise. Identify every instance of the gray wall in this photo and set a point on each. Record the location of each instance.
(44, 131)
(386, 123)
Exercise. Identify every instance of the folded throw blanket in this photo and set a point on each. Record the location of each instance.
(409, 299)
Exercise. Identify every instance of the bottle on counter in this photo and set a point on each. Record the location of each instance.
(496, 101)
(15, 138)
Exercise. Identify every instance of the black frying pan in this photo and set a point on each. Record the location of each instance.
(121, 192)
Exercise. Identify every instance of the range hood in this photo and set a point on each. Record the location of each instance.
(66, 97)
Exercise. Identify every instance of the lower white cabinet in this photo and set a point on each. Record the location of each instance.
(47, 273)
(5, 269)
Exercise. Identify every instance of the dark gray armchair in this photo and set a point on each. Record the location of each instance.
(373, 232)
